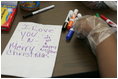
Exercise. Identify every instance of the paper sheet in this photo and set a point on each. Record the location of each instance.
(31, 51)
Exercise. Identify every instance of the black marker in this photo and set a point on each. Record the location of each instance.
(39, 11)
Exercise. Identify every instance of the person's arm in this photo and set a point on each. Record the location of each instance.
(106, 53)
(102, 41)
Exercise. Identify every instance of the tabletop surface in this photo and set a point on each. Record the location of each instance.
(74, 56)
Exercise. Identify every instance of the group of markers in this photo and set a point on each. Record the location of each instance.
(71, 20)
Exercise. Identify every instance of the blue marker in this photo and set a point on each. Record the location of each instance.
(70, 34)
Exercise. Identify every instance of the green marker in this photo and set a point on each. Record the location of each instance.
(97, 15)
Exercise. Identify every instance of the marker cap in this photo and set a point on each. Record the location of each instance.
(70, 34)
(79, 15)
(97, 15)
(76, 11)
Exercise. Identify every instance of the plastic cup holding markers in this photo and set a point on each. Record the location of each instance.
(29, 5)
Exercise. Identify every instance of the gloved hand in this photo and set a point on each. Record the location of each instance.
(94, 28)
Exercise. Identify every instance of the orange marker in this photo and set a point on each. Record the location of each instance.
(72, 19)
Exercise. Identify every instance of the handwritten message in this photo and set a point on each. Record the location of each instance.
(34, 43)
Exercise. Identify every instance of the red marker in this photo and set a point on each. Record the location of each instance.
(111, 23)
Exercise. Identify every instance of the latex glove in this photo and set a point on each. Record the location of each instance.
(94, 28)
